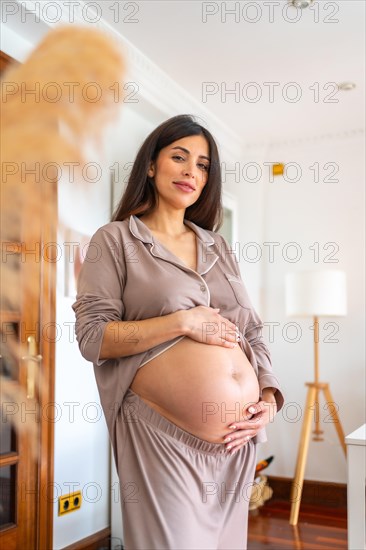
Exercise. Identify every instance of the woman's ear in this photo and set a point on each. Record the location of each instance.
(151, 170)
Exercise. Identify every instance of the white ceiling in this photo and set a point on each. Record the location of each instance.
(327, 45)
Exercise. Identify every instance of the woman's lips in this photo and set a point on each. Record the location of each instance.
(187, 188)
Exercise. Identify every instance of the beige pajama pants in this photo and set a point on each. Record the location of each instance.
(179, 492)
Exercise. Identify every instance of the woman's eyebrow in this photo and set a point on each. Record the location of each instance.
(188, 152)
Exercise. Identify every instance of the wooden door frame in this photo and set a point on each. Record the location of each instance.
(47, 346)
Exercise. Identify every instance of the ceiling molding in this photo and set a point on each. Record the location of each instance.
(309, 140)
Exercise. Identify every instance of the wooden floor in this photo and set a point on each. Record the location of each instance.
(318, 528)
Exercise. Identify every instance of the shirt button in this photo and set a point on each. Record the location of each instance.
(203, 288)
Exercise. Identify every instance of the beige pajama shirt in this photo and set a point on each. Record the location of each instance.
(129, 275)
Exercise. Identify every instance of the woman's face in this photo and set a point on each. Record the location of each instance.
(181, 171)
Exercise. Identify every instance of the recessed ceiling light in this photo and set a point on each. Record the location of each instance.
(302, 3)
(347, 86)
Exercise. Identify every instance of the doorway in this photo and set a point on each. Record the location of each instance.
(27, 364)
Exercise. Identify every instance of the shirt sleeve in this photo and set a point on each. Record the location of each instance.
(99, 293)
(253, 332)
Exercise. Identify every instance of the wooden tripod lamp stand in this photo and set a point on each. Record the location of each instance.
(315, 294)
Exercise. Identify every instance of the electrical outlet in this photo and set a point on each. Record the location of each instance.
(69, 503)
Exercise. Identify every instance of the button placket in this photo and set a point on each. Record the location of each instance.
(203, 285)
(204, 288)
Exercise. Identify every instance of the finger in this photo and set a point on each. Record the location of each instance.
(238, 445)
(227, 343)
(242, 425)
(228, 334)
(227, 322)
(258, 414)
(245, 428)
(232, 442)
(242, 435)
(229, 326)
(228, 337)
(255, 408)
(249, 410)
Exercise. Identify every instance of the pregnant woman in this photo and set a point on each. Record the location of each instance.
(184, 377)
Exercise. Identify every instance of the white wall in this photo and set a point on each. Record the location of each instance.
(307, 212)
(240, 177)
(81, 439)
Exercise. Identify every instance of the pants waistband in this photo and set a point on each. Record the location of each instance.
(137, 409)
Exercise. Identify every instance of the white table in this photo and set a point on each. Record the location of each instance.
(356, 506)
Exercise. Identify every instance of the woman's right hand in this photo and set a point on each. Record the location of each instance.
(205, 324)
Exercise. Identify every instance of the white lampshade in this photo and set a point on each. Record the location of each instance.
(320, 293)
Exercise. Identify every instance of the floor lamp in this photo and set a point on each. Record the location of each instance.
(315, 294)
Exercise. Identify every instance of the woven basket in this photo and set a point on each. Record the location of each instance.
(261, 492)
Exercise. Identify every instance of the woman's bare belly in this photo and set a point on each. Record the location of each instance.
(200, 387)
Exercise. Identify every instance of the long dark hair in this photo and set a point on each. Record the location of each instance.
(140, 196)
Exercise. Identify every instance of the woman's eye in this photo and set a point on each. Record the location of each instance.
(201, 165)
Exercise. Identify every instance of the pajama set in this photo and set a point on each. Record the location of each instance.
(178, 492)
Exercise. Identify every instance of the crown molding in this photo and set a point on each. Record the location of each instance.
(306, 141)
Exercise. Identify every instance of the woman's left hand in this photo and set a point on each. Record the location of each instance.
(259, 416)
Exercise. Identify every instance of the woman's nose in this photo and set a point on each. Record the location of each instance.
(188, 170)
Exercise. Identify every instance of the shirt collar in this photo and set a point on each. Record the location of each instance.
(143, 233)
(140, 230)
(206, 258)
